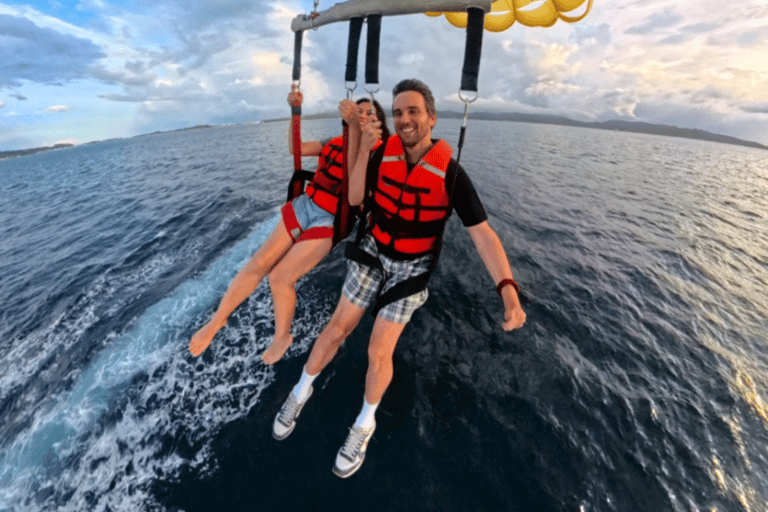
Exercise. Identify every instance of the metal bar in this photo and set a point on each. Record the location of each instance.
(355, 8)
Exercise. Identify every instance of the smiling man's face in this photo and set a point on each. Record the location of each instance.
(412, 121)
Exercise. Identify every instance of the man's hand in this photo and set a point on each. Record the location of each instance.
(513, 318)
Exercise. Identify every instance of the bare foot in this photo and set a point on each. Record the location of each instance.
(202, 339)
(276, 350)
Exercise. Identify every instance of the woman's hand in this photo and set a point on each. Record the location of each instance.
(348, 112)
(371, 132)
(295, 98)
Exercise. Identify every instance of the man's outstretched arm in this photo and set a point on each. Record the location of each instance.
(495, 259)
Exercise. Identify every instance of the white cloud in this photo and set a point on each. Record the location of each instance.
(57, 109)
(42, 55)
(162, 62)
(656, 22)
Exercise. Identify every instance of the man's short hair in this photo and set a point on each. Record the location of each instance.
(411, 84)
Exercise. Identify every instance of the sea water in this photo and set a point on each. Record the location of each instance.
(639, 381)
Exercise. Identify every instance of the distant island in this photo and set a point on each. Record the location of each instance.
(622, 126)
(23, 152)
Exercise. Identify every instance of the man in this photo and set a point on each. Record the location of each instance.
(413, 185)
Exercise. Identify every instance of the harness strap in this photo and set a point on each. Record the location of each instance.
(396, 225)
(353, 252)
(294, 230)
(296, 185)
(291, 222)
(471, 68)
(296, 127)
(297, 55)
(356, 254)
(372, 49)
(316, 233)
(299, 177)
(355, 29)
(342, 219)
(401, 290)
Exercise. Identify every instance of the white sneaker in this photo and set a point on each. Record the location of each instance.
(352, 454)
(285, 421)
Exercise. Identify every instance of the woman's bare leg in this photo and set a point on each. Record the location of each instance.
(300, 259)
(245, 282)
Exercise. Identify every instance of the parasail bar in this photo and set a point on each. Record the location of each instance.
(361, 8)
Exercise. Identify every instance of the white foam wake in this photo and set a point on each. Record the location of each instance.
(101, 443)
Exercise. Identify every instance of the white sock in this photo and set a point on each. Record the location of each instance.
(366, 416)
(301, 390)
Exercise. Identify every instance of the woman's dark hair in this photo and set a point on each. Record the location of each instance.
(380, 115)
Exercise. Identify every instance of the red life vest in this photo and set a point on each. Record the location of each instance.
(411, 207)
(326, 185)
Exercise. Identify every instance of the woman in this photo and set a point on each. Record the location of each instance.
(288, 254)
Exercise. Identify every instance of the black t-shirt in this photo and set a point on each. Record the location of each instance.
(465, 200)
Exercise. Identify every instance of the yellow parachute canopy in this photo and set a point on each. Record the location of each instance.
(531, 13)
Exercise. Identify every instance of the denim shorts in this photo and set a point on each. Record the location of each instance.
(308, 214)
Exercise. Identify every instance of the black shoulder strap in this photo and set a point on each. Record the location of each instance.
(372, 172)
(371, 175)
(451, 174)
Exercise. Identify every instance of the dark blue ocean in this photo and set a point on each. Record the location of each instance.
(639, 382)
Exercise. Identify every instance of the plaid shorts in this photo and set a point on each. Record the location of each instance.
(363, 284)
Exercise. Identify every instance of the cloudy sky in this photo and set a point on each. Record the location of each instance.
(83, 70)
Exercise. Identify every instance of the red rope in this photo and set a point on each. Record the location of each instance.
(297, 186)
(343, 212)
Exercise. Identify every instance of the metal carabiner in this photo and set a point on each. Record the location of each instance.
(372, 92)
(350, 90)
(466, 101)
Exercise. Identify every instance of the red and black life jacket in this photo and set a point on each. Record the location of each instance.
(411, 208)
(325, 187)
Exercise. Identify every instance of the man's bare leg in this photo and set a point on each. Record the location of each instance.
(380, 351)
(344, 320)
(342, 323)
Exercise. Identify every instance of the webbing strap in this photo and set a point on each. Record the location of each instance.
(341, 221)
(356, 254)
(297, 55)
(296, 139)
(296, 184)
(372, 49)
(401, 290)
(296, 109)
(316, 233)
(290, 221)
(473, 48)
(471, 69)
(355, 29)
